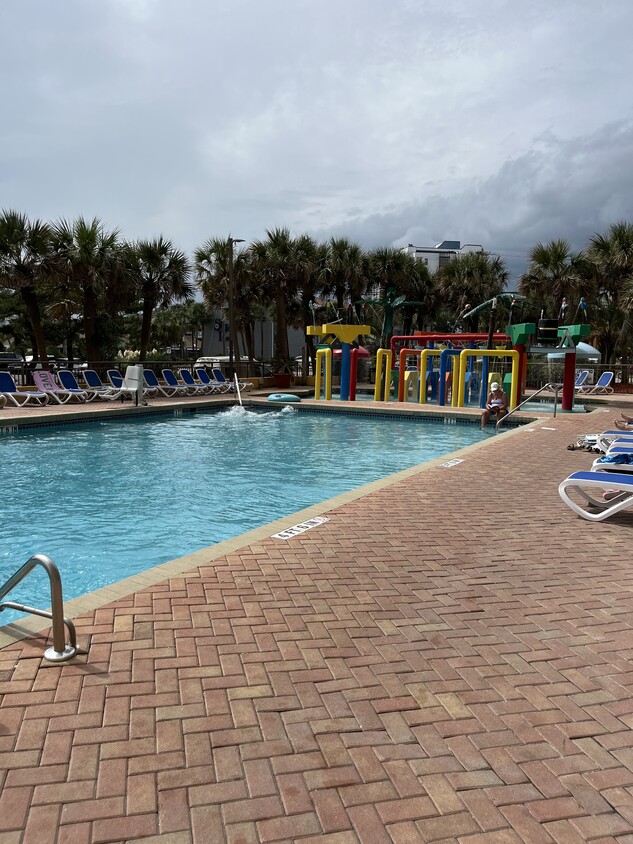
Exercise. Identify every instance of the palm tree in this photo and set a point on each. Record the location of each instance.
(611, 258)
(196, 316)
(470, 279)
(553, 274)
(93, 258)
(390, 272)
(211, 263)
(25, 262)
(344, 276)
(310, 261)
(274, 263)
(421, 298)
(162, 276)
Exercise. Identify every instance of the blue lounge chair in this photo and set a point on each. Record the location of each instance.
(618, 485)
(180, 388)
(219, 377)
(96, 385)
(601, 387)
(69, 382)
(580, 381)
(45, 381)
(9, 390)
(152, 383)
(205, 378)
(190, 381)
(579, 386)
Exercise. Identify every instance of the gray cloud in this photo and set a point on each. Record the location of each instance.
(489, 121)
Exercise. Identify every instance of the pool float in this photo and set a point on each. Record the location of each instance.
(283, 397)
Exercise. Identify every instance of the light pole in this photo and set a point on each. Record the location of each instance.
(231, 242)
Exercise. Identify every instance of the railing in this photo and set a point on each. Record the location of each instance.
(554, 387)
(60, 650)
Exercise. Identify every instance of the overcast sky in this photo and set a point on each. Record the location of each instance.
(500, 122)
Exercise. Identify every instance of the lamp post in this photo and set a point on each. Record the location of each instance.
(231, 242)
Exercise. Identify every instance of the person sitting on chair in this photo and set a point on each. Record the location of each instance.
(496, 406)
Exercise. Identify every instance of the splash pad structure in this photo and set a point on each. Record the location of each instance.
(345, 334)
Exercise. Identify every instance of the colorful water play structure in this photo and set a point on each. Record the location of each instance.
(433, 365)
(345, 334)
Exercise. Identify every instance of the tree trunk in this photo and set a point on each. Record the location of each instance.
(249, 340)
(32, 305)
(146, 326)
(282, 331)
(93, 351)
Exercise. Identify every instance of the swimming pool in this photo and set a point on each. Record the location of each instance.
(109, 499)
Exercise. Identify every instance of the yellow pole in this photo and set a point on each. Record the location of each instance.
(423, 360)
(509, 353)
(323, 356)
(456, 369)
(386, 356)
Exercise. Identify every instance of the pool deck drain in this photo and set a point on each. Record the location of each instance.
(446, 659)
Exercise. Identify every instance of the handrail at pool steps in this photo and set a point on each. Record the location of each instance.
(554, 387)
(60, 650)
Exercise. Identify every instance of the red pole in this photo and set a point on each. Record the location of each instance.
(569, 379)
(353, 366)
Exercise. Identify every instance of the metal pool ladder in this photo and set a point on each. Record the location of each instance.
(60, 650)
(554, 387)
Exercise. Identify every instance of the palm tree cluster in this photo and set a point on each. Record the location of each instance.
(80, 268)
(601, 275)
(79, 284)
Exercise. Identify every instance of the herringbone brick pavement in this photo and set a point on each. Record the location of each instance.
(447, 659)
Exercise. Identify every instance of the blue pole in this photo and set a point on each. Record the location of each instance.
(484, 381)
(345, 370)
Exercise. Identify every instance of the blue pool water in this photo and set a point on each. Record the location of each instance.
(108, 499)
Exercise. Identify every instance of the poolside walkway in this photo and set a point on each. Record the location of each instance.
(447, 659)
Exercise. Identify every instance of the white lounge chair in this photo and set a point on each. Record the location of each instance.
(190, 381)
(579, 383)
(96, 385)
(618, 484)
(218, 387)
(9, 390)
(219, 377)
(601, 387)
(45, 381)
(181, 389)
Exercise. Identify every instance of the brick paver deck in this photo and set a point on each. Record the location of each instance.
(447, 659)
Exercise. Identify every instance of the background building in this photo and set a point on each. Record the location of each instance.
(439, 256)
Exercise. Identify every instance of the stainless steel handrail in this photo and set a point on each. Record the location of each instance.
(60, 650)
(554, 387)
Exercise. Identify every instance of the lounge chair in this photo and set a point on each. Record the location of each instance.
(9, 390)
(618, 485)
(219, 377)
(69, 382)
(601, 387)
(604, 440)
(580, 380)
(205, 378)
(190, 381)
(128, 387)
(96, 385)
(45, 381)
(619, 458)
(151, 382)
(579, 386)
(181, 389)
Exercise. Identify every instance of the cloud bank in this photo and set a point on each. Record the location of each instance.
(490, 122)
